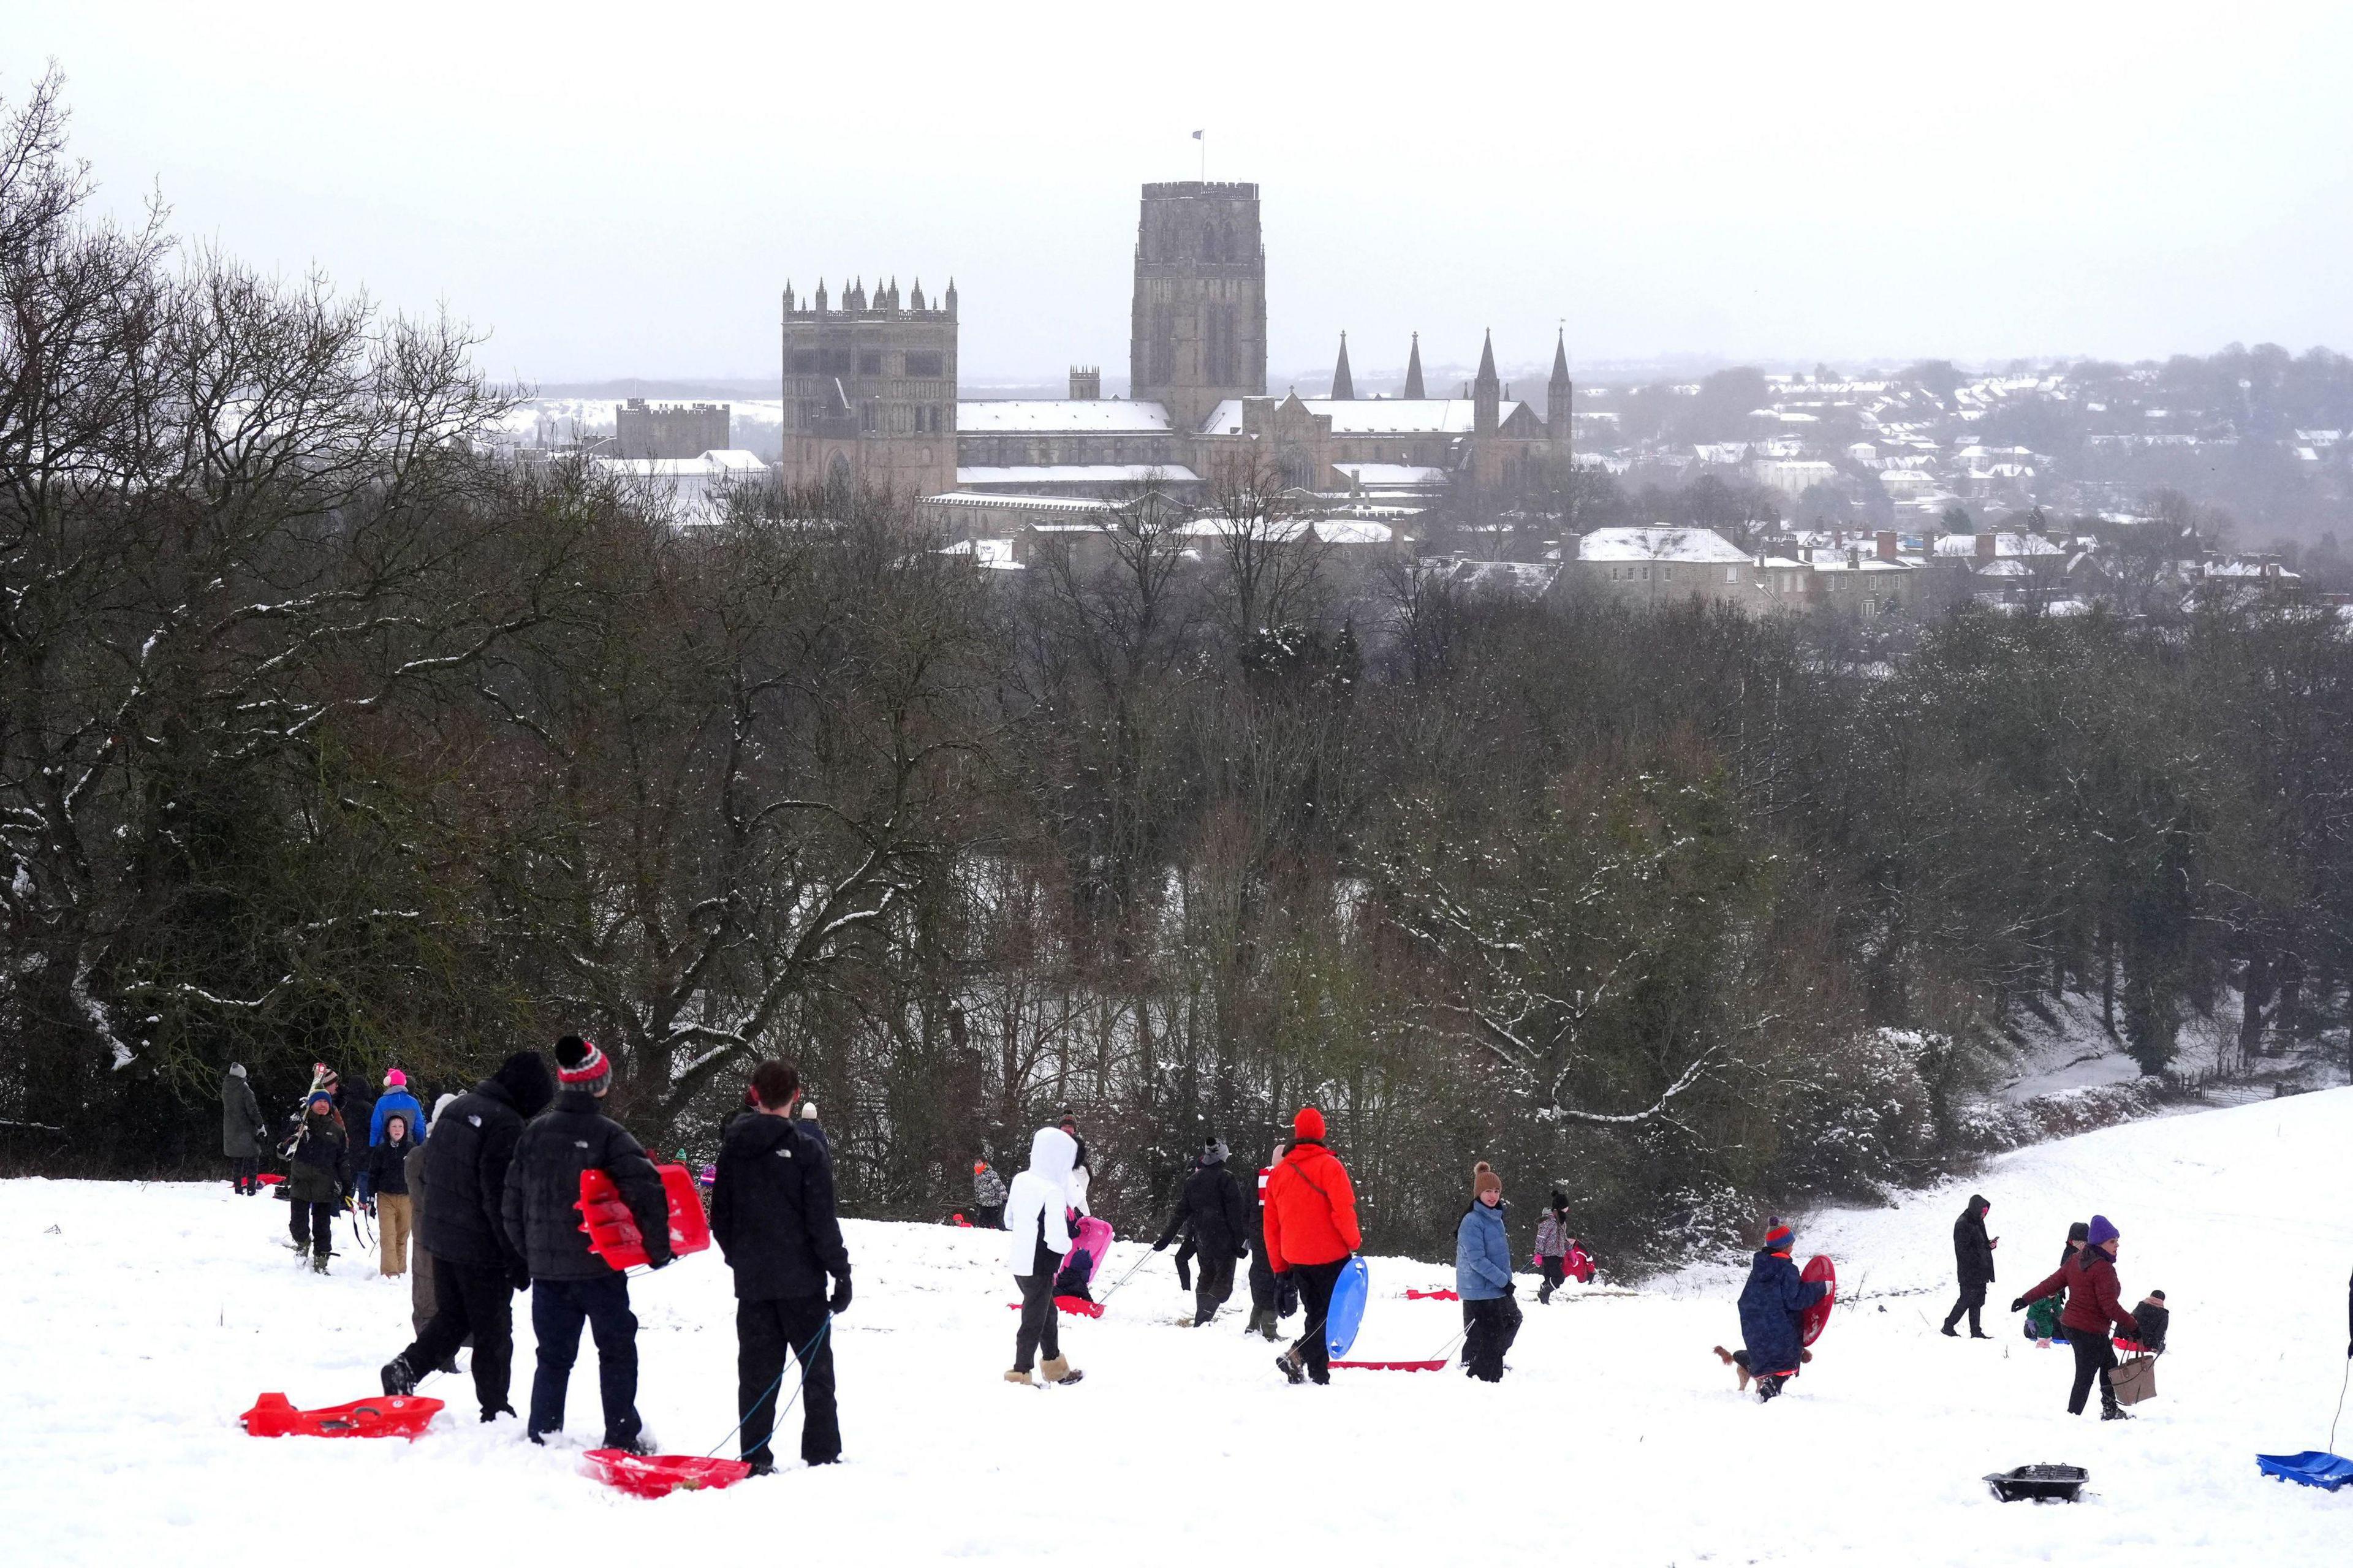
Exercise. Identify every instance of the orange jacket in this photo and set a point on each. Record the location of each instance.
(1311, 1209)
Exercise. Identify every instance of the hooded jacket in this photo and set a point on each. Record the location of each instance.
(467, 1157)
(772, 1211)
(396, 1102)
(558, 1146)
(1311, 1209)
(987, 1187)
(1483, 1257)
(318, 1166)
(242, 1135)
(1972, 1252)
(1552, 1235)
(1038, 1204)
(1212, 1205)
(2094, 1303)
(1772, 1304)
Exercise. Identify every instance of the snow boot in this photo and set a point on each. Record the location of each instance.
(1023, 1378)
(1975, 1335)
(319, 1262)
(493, 1415)
(1058, 1369)
(1948, 1331)
(399, 1381)
(2113, 1412)
(1768, 1389)
(1288, 1365)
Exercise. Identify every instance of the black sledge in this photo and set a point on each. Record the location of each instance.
(2040, 1483)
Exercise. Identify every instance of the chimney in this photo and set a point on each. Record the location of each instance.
(1086, 383)
(1854, 557)
(1887, 538)
(1984, 546)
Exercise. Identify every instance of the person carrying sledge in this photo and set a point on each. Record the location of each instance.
(2042, 1314)
(387, 1164)
(1038, 1217)
(2093, 1308)
(988, 1196)
(1272, 1298)
(1973, 1261)
(243, 1135)
(1772, 1313)
(1483, 1278)
(1310, 1232)
(315, 1182)
(571, 1285)
(478, 1263)
(1553, 1242)
(772, 1214)
(1212, 1208)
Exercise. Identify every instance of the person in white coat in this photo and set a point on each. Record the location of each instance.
(1037, 1219)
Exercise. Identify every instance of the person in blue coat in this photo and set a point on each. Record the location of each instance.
(1483, 1278)
(1772, 1307)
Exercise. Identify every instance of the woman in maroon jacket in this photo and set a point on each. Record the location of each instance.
(2093, 1308)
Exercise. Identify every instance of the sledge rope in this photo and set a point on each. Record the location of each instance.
(803, 1355)
(1122, 1279)
(2340, 1402)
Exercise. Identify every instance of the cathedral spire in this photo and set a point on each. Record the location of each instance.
(1558, 393)
(1413, 371)
(1486, 391)
(1344, 386)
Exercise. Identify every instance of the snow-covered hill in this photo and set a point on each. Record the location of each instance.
(139, 1319)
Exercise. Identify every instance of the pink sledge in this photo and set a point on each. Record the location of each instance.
(659, 1475)
(394, 1416)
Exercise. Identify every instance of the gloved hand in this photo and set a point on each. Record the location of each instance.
(519, 1276)
(664, 1261)
(2019, 1305)
(1160, 1245)
(839, 1302)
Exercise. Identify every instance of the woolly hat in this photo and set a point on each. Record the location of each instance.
(2078, 1231)
(978, 1166)
(237, 1069)
(1779, 1239)
(580, 1065)
(439, 1106)
(1213, 1153)
(319, 1094)
(396, 1078)
(1308, 1123)
(2102, 1232)
(808, 1110)
(524, 1077)
(1483, 1179)
(1560, 1200)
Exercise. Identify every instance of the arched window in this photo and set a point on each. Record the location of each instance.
(837, 474)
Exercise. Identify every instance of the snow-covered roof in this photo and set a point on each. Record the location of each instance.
(1374, 474)
(1375, 416)
(720, 460)
(971, 500)
(1526, 578)
(1657, 544)
(1962, 546)
(1054, 416)
(1079, 474)
(989, 554)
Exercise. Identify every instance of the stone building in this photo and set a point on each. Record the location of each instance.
(1198, 335)
(676, 431)
(870, 389)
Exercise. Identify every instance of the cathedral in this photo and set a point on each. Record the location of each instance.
(869, 392)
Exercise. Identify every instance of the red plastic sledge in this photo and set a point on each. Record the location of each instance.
(394, 1416)
(1084, 1308)
(1821, 1268)
(613, 1231)
(659, 1475)
(1430, 1296)
(269, 1178)
(1393, 1365)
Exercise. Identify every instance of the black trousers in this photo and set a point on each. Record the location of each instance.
(472, 1299)
(558, 1309)
(1489, 1329)
(244, 1172)
(1217, 1284)
(1185, 1264)
(314, 1227)
(1972, 1301)
(1316, 1282)
(988, 1216)
(1041, 1322)
(1554, 1272)
(2095, 1357)
(764, 1332)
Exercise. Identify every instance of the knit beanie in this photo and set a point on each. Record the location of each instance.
(316, 1096)
(237, 1069)
(2102, 1232)
(1484, 1180)
(1781, 1238)
(808, 1110)
(1308, 1123)
(1213, 1153)
(524, 1077)
(580, 1065)
(1560, 1200)
(2078, 1231)
(439, 1106)
(396, 1078)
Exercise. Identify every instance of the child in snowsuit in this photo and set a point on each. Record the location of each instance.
(1037, 1214)
(1772, 1313)
(315, 1185)
(2151, 1319)
(988, 1197)
(387, 1165)
(1553, 1242)
(2090, 1281)
(2042, 1314)
(1483, 1278)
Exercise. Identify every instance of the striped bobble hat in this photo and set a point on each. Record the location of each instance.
(579, 1064)
(1779, 1237)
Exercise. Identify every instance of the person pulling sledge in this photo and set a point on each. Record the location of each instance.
(1212, 1209)
(2089, 1278)
(1973, 1262)
(1483, 1279)
(1037, 1214)
(1772, 1313)
(1310, 1232)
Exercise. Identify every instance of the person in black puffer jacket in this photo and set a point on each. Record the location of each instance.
(477, 1265)
(570, 1285)
(316, 1182)
(1213, 1207)
(1973, 1264)
(772, 1215)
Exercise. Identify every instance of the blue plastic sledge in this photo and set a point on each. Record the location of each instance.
(2312, 1468)
(1347, 1314)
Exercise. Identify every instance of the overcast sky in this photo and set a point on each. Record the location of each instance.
(624, 191)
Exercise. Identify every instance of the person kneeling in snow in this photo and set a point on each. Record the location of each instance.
(1772, 1313)
(1483, 1278)
(772, 1215)
(1037, 1213)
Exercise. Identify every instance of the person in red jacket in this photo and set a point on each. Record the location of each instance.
(2093, 1308)
(1311, 1234)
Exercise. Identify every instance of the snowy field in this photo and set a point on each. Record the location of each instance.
(139, 1319)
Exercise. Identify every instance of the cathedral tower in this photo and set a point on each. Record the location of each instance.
(870, 389)
(1198, 332)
